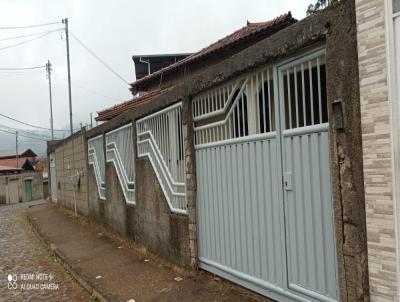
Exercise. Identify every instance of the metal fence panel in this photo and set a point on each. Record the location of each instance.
(97, 160)
(119, 151)
(238, 209)
(160, 138)
(310, 240)
(309, 222)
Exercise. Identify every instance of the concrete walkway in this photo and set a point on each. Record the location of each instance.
(120, 273)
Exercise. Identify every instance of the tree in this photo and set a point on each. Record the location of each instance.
(320, 4)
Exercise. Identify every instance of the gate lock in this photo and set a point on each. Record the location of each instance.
(287, 181)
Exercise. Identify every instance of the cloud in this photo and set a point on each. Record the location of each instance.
(114, 31)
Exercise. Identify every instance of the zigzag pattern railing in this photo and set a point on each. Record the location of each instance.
(120, 152)
(240, 108)
(160, 138)
(96, 159)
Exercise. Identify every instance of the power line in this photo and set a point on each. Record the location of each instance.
(13, 74)
(23, 135)
(98, 58)
(27, 35)
(26, 131)
(30, 40)
(30, 125)
(91, 90)
(22, 68)
(30, 26)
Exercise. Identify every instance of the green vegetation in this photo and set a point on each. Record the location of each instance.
(320, 4)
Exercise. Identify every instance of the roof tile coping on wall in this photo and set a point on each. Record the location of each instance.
(115, 110)
(237, 41)
(250, 32)
(297, 37)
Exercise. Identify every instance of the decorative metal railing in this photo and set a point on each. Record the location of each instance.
(241, 108)
(304, 94)
(96, 159)
(160, 138)
(120, 152)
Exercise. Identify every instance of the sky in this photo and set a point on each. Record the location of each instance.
(114, 31)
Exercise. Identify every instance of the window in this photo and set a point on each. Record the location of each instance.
(396, 6)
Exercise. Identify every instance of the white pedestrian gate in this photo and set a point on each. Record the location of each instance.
(53, 177)
(264, 208)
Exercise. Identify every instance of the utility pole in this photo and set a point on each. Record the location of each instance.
(65, 21)
(91, 121)
(48, 69)
(16, 147)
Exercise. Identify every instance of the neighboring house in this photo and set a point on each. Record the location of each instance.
(378, 35)
(148, 64)
(244, 159)
(20, 187)
(24, 161)
(20, 180)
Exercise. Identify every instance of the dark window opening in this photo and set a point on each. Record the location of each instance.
(267, 114)
(396, 6)
(240, 119)
(302, 97)
(180, 136)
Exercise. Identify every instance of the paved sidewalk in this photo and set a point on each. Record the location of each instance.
(120, 273)
(22, 253)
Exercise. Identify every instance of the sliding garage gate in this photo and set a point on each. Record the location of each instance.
(265, 217)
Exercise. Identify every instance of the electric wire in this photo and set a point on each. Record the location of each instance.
(17, 74)
(91, 90)
(27, 41)
(22, 135)
(27, 35)
(25, 131)
(98, 58)
(30, 26)
(30, 125)
(22, 68)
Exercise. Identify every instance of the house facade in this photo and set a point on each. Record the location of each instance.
(378, 35)
(20, 187)
(244, 159)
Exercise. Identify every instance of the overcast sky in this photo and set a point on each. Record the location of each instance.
(114, 30)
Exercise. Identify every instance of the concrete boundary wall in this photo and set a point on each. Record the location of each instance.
(174, 236)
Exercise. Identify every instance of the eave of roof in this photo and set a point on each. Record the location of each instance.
(246, 32)
(252, 29)
(116, 110)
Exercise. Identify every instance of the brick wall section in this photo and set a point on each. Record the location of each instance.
(375, 120)
(70, 159)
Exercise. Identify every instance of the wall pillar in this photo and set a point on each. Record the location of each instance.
(191, 184)
(346, 155)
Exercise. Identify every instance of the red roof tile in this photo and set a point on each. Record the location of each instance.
(12, 162)
(113, 111)
(6, 168)
(251, 30)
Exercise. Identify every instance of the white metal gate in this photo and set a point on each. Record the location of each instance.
(53, 177)
(264, 205)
